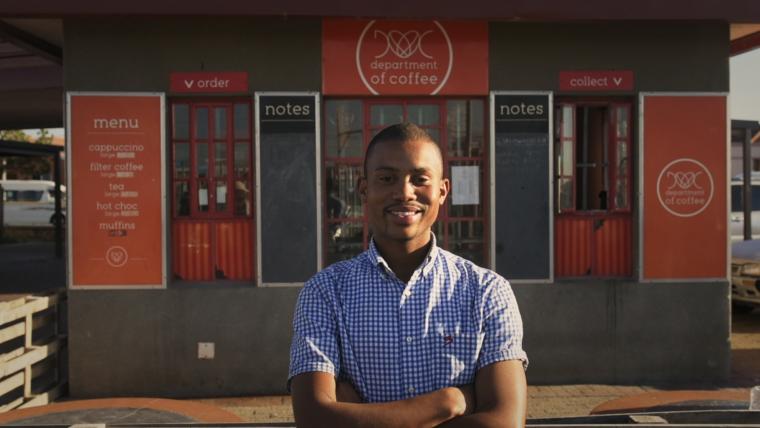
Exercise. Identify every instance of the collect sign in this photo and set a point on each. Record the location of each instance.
(116, 190)
(684, 190)
(592, 81)
(382, 57)
(209, 82)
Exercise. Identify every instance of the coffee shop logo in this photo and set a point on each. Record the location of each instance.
(116, 256)
(404, 57)
(685, 187)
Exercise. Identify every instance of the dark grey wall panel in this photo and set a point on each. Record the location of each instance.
(145, 343)
(287, 179)
(664, 56)
(626, 333)
(137, 54)
(521, 171)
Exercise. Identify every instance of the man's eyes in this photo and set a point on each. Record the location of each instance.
(417, 180)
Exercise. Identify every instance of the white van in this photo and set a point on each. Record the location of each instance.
(30, 202)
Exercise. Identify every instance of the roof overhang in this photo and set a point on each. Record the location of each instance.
(19, 148)
(726, 10)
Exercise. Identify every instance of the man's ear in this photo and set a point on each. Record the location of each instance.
(445, 189)
(362, 186)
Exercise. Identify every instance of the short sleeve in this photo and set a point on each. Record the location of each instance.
(315, 334)
(502, 325)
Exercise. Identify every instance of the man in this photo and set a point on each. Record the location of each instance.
(406, 334)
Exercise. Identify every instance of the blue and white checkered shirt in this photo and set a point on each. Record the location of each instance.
(392, 341)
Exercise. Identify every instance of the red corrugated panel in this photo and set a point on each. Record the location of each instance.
(572, 256)
(191, 250)
(234, 249)
(613, 247)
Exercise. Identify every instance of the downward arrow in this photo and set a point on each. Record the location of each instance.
(617, 80)
(189, 83)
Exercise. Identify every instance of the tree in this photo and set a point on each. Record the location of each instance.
(23, 167)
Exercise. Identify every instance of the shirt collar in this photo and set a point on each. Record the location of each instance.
(427, 264)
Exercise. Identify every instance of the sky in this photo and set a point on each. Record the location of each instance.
(745, 86)
(744, 99)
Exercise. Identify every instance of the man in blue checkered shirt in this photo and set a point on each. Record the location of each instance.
(406, 333)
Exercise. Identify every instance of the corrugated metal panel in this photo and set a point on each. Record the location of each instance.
(612, 247)
(191, 250)
(572, 247)
(234, 249)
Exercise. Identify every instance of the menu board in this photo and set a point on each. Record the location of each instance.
(116, 190)
(522, 239)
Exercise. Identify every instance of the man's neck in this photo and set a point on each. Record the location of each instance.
(403, 258)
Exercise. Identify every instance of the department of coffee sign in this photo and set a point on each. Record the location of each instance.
(685, 187)
(381, 57)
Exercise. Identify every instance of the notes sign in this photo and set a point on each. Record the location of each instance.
(522, 235)
(287, 149)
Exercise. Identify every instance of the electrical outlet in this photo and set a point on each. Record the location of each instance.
(205, 350)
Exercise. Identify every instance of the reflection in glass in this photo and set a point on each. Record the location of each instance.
(202, 196)
(386, 114)
(622, 121)
(466, 240)
(565, 196)
(220, 123)
(181, 160)
(220, 160)
(221, 195)
(622, 156)
(241, 160)
(345, 240)
(201, 123)
(242, 197)
(344, 128)
(464, 127)
(567, 158)
(343, 199)
(423, 114)
(181, 198)
(181, 122)
(201, 159)
(567, 121)
(621, 193)
(241, 122)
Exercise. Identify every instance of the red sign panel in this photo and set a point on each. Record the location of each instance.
(591, 81)
(209, 82)
(115, 188)
(379, 57)
(685, 211)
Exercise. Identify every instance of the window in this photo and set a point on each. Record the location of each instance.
(458, 125)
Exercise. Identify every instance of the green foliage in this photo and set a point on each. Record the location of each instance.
(21, 167)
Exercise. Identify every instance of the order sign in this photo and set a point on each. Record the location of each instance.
(116, 189)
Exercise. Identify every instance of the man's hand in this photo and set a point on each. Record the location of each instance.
(318, 401)
(501, 392)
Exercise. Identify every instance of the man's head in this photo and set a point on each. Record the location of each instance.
(403, 185)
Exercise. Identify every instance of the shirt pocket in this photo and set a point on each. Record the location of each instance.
(456, 355)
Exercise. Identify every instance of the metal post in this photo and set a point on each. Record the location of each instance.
(58, 217)
(747, 188)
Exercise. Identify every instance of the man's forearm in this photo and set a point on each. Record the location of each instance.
(427, 410)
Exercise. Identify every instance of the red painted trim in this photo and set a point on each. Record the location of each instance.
(745, 44)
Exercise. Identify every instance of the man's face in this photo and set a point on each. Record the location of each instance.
(403, 191)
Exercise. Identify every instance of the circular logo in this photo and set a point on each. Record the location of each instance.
(404, 57)
(116, 256)
(685, 187)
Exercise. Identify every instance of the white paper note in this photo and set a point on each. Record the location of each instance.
(465, 189)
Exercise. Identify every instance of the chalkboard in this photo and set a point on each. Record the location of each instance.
(288, 190)
(521, 170)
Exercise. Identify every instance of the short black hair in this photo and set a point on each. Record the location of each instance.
(400, 132)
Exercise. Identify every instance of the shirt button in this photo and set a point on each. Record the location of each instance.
(411, 389)
(407, 293)
(408, 339)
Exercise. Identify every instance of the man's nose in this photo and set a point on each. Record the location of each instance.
(404, 190)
